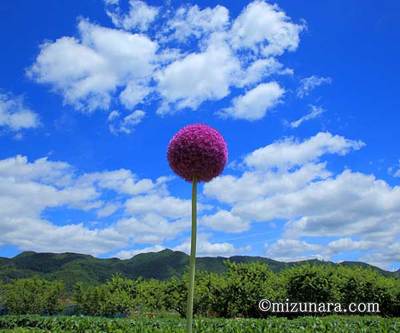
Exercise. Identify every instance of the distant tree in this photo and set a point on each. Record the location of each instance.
(150, 295)
(312, 283)
(33, 296)
(363, 285)
(114, 298)
(176, 295)
(246, 284)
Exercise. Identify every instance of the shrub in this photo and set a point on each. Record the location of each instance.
(312, 283)
(112, 299)
(33, 296)
(246, 284)
(361, 285)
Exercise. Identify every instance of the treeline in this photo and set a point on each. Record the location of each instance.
(235, 293)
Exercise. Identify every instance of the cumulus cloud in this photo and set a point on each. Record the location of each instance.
(139, 16)
(191, 21)
(310, 83)
(259, 70)
(128, 254)
(207, 248)
(324, 214)
(315, 112)
(289, 152)
(388, 256)
(224, 220)
(193, 55)
(265, 29)
(87, 71)
(15, 115)
(255, 184)
(167, 206)
(255, 103)
(294, 249)
(118, 124)
(29, 189)
(288, 181)
(198, 77)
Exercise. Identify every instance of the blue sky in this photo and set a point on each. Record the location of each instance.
(304, 93)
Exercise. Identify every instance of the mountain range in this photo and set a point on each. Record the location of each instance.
(75, 267)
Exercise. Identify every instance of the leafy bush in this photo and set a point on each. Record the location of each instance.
(365, 285)
(150, 295)
(235, 293)
(32, 296)
(245, 285)
(312, 283)
(114, 298)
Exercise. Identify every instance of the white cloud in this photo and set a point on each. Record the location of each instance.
(15, 115)
(139, 17)
(125, 124)
(292, 250)
(192, 21)
(128, 254)
(206, 248)
(289, 153)
(255, 103)
(225, 221)
(123, 181)
(394, 171)
(134, 93)
(265, 29)
(150, 228)
(347, 244)
(41, 170)
(287, 182)
(88, 71)
(36, 234)
(198, 77)
(260, 69)
(107, 210)
(255, 184)
(194, 55)
(29, 189)
(349, 204)
(388, 257)
(315, 112)
(310, 83)
(163, 205)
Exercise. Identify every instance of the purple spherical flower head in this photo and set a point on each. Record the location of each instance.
(197, 151)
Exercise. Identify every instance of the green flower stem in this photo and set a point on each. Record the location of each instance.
(192, 259)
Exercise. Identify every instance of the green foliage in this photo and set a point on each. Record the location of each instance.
(365, 285)
(311, 283)
(233, 294)
(331, 324)
(32, 296)
(151, 296)
(343, 285)
(72, 268)
(245, 286)
(114, 298)
(176, 295)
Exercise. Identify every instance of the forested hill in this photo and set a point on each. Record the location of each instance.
(74, 267)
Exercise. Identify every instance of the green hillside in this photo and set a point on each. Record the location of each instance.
(73, 267)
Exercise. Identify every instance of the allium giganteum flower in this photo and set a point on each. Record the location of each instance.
(197, 151)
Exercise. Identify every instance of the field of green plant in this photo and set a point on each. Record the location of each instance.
(332, 324)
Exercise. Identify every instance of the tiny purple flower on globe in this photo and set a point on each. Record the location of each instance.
(197, 152)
